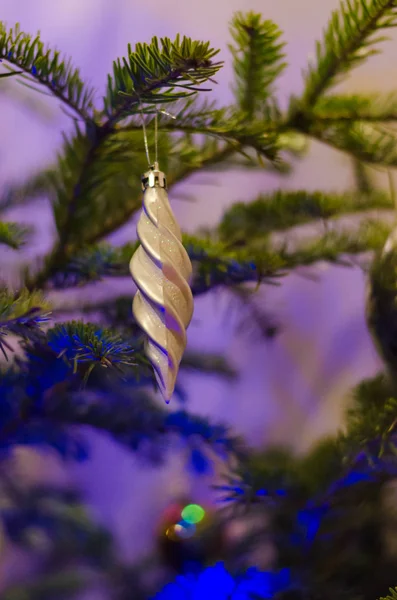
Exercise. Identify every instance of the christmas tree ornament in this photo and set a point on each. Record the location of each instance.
(161, 270)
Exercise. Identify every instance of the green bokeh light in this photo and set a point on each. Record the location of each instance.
(193, 513)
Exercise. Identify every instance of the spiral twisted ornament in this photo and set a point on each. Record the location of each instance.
(161, 270)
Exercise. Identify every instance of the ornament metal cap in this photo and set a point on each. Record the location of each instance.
(154, 178)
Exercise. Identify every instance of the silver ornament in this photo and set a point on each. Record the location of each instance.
(161, 270)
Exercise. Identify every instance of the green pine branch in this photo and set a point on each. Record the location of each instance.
(21, 314)
(10, 74)
(381, 307)
(107, 174)
(158, 73)
(36, 186)
(372, 416)
(332, 245)
(349, 39)
(87, 344)
(94, 187)
(281, 210)
(16, 305)
(13, 235)
(106, 209)
(355, 107)
(46, 67)
(363, 178)
(258, 60)
(391, 596)
(226, 125)
(117, 314)
(332, 466)
(367, 142)
(148, 77)
(218, 263)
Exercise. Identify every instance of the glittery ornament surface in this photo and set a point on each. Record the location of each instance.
(161, 269)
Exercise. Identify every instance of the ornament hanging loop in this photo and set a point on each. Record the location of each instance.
(155, 165)
(145, 138)
(153, 177)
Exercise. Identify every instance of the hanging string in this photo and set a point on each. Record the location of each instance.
(145, 140)
(156, 138)
(156, 134)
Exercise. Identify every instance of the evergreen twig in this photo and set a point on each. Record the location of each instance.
(258, 60)
(47, 68)
(13, 235)
(348, 41)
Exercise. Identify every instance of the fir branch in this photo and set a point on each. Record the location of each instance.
(60, 517)
(39, 185)
(71, 181)
(227, 126)
(47, 68)
(363, 180)
(366, 142)
(281, 210)
(94, 188)
(81, 169)
(21, 314)
(13, 235)
(371, 418)
(230, 263)
(10, 74)
(348, 41)
(44, 397)
(106, 169)
(257, 60)
(214, 265)
(333, 245)
(57, 364)
(259, 261)
(110, 209)
(133, 419)
(92, 264)
(117, 314)
(355, 107)
(381, 307)
(139, 80)
(81, 343)
(391, 596)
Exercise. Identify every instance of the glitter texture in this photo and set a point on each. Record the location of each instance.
(161, 269)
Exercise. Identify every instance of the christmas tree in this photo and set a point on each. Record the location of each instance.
(322, 523)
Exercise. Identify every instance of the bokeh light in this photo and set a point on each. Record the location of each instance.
(181, 531)
(193, 513)
(185, 530)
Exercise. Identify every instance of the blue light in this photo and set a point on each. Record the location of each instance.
(355, 477)
(216, 583)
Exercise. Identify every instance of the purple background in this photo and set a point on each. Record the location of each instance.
(292, 389)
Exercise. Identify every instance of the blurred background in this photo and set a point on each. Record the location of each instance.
(323, 343)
